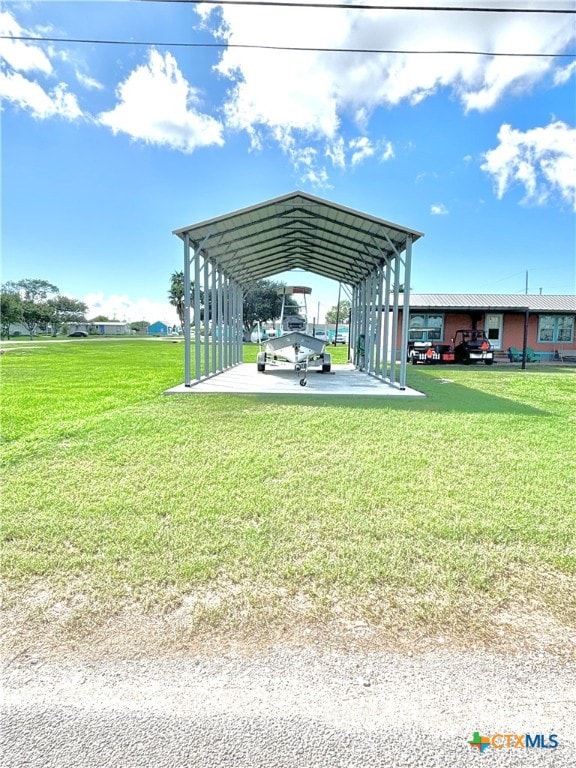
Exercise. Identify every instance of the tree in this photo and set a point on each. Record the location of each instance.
(262, 303)
(35, 315)
(176, 296)
(65, 310)
(10, 311)
(33, 294)
(100, 319)
(41, 303)
(342, 310)
(140, 326)
(32, 290)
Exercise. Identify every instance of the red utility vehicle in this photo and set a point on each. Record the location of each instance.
(468, 346)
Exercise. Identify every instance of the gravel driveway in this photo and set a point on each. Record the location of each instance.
(287, 708)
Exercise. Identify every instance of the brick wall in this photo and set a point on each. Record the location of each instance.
(512, 332)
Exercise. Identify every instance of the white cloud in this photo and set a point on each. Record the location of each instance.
(307, 89)
(122, 307)
(307, 94)
(362, 148)
(317, 177)
(157, 105)
(20, 59)
(336, 153)
(29, 95)
(542, 160)
(438, 209)
(18, 54)
(562, 76)
(388, 152)
(77, 64)
(304, 159)
(307, 161)
(88, 82)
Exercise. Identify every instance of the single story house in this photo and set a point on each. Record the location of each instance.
(161, 328)
(18, 329)
(108, 327)
(113, 327)
(550, 320)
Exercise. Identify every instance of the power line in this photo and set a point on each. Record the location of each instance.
(28, 38)
(352, 6)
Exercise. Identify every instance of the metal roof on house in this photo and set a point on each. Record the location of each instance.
(472, 302)
(109, 322)
(298, 231)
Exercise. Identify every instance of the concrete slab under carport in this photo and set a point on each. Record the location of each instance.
(244, 379)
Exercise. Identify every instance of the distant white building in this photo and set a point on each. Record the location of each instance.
(112, 328)
(104, 328)
(17, 329)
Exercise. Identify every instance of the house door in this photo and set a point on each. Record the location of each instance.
(494, 326)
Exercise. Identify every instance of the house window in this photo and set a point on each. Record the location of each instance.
(426, 327)
(556, 328)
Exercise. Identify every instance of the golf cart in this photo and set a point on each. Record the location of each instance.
(424, 346)
(472, 346)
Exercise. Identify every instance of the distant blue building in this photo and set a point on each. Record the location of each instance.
(159, 329)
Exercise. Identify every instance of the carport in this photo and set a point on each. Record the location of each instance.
(224, 256)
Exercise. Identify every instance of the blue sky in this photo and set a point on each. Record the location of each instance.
(108, 148)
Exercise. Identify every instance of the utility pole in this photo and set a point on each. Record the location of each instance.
(526, 282)
(337, 314)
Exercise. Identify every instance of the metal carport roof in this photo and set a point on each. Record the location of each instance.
(224, 256)
(298, 231)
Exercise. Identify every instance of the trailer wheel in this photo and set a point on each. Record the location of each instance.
(488, 362)
(303, 382)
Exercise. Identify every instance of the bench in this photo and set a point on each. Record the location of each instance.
(515, 355)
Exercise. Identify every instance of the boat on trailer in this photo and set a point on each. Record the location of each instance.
(293, 347)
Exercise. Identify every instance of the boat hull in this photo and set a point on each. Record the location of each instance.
(295, 347)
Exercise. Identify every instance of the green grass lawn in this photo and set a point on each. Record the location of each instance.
(420, 515)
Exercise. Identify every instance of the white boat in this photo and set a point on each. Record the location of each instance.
(292, 346)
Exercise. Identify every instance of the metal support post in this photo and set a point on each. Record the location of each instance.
(187, 361)
(206, 322)
(220, 319)
(241, 322)
(226, 360)
(386, 310)
(197, 351)
(214, 319)
(234, 323)
(240, 295)
(405, 312)
(394, 344)
(371, 333)
(525, 339)
(363, 322)
(379, 307)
